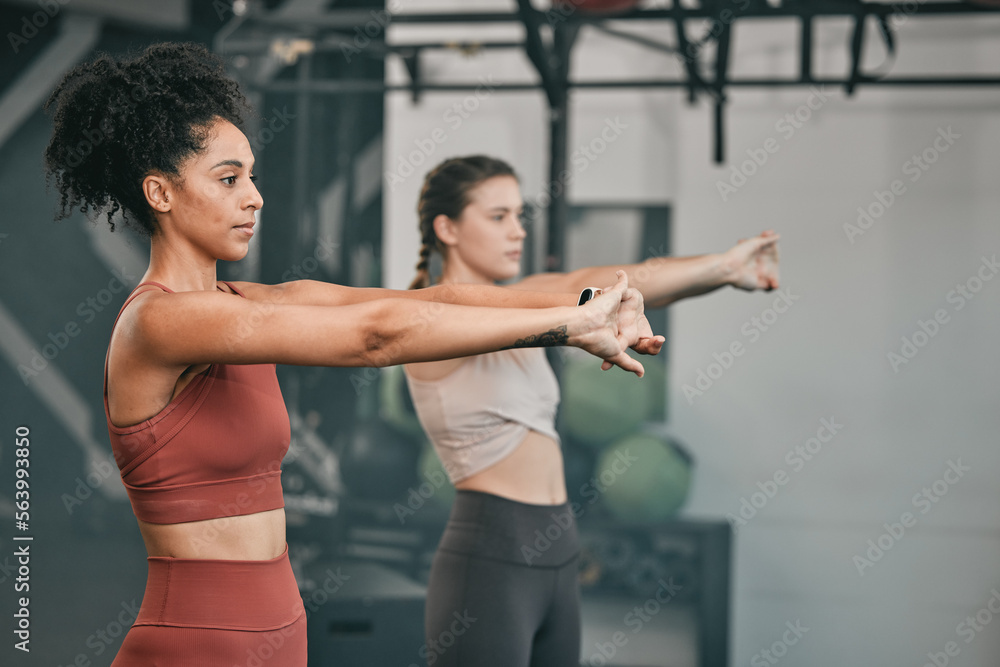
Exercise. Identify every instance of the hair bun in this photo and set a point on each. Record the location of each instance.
(118, 119)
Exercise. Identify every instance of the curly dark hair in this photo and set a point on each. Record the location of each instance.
(118, 120)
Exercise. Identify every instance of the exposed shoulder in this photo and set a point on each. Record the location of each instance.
(131, 334)
(129, 320)
(256, 291)
(138, 385)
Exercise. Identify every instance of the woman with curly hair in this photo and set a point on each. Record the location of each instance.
(491, 419)
(195, 415)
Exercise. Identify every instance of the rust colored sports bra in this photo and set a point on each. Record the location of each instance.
(214, 451)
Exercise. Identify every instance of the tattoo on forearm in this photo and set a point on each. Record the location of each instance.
(551, 338)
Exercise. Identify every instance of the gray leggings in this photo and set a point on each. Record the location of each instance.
(503, 586)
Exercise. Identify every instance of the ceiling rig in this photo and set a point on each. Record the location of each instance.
(550, 36)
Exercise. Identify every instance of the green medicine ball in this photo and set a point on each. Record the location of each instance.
(598, 407)
(645, 478)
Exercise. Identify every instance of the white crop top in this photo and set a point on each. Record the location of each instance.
(479, 413)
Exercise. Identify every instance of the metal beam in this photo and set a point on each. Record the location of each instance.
(77, 38)
(688, 55)
(412, 62)
(333, 42)
(342, 86)
(721, 71)
(564, 35)
(806, 49)
(144, 14)
(857, 51)
(538, 53)
(350, 18)
(551, 59)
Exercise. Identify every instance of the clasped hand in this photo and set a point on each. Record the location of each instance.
(622, 324)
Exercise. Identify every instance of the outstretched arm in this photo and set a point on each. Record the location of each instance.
(190, 328)
(750, 264)
(317, 293)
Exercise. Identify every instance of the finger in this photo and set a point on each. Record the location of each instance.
(628, 333)
(643, 347)
(627, 363)
(606, 365)
(658, 343)
(618, 279)
(622, 283)
(642, 324)
(650, 346)
(632, 293)
(764, 242)
(618, 289)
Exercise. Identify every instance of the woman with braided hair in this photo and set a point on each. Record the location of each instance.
(491, 419)
(195, 415)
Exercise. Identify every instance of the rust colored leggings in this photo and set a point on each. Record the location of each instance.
(218, 613)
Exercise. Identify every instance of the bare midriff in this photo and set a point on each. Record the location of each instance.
(259, 536)
(532, 473)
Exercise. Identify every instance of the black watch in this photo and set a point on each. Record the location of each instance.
(587, 294)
